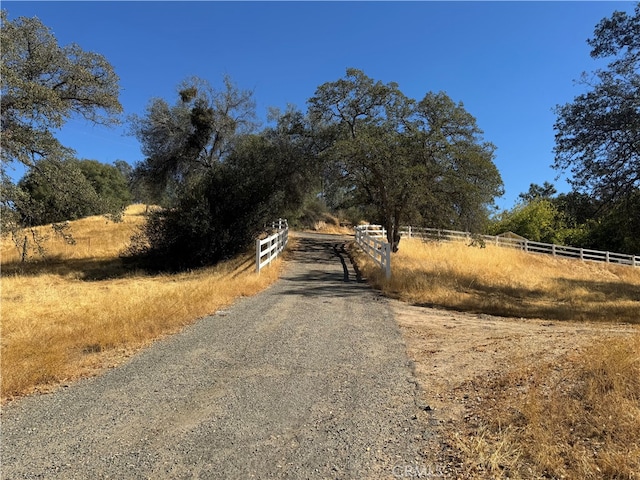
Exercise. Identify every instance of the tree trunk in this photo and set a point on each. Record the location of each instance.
(25, 247)
(393, 234)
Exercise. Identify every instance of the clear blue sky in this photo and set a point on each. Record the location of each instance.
(510, 63)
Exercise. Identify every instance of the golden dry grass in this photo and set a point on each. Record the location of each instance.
(508, 282)
(330, 224)
(96, 238)
(577, 418)
(574, 419)
(66, 317)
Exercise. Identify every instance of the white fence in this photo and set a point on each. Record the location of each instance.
(526, 245)
(372, 240)
(269, 248)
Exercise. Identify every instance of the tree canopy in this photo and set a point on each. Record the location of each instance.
(43, 85)
(91, 188)
(183, 140)
(598, 134)
(220, 181)
(405, 159)
(574, 218)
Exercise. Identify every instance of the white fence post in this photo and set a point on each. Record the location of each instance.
(258, 254)
(387, 253)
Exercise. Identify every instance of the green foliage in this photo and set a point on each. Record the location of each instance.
(222, 212)
(55, 191)
(536, 192)
(574, 219)
(183, 141)
(219, 183)
(598, 139)
(598, 134)
(109, 183)
(539, 221)
(399, 160)
(616, 229)
(43, 85)
(61, 190)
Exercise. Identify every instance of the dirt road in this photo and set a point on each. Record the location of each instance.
(309, 379)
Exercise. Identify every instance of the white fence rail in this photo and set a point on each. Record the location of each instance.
(372, 240)
(526, 245)
(269, 248)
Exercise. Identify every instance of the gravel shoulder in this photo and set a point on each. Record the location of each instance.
(309, 379)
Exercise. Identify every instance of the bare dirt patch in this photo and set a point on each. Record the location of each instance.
(460, 359)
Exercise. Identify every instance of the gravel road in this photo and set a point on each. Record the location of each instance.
(309, 379)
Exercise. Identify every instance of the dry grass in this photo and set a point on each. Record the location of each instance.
(330, 229)
(96, 240)
(81, 311)
(576, 418)
(508, 282)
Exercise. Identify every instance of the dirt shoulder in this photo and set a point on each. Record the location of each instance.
(455, 353)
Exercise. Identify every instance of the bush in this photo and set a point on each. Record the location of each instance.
(221, 213)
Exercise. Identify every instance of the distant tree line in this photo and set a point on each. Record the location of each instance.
(361, 147)
(575, 219)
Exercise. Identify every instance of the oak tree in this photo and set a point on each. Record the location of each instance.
(44, 85)
(181, 142)
(402, 159)
(598, 133)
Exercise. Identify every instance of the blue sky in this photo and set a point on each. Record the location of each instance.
(510, 63)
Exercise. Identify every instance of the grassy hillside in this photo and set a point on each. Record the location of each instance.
(79, 310)
(577, 417)
(508, 282)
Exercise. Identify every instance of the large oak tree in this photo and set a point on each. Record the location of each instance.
(220, 181)
(43, 85)
(405, 160)
(185, 140)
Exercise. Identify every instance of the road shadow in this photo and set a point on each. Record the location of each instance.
(323, 268)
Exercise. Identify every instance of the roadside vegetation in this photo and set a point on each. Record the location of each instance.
(577, 417)
(508, 282)
(79, 310)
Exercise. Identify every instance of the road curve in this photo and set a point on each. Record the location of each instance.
(309, 379)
